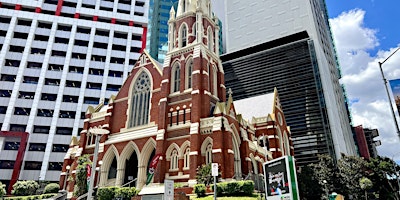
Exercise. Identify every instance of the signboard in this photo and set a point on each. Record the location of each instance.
(280, 179)
(214, 169)
(169, 190)
(395, 85)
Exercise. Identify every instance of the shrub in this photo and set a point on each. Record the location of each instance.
(221, 188)
(126, 192)
(47, 196)
(106, 193)
(200, 190)
(248, 187)
(203, 174)
(24, 188)
(2, 190)
(80, 187)
(51, 188)
(232, 188)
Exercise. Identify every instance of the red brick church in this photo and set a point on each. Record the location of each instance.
(179, 110)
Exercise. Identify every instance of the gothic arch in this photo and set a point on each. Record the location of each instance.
(188, 72)
(170, 149)
(139, 88)
(125, 155)
(183, 35)
(107, 161)
(236, 151)
(144, 158)
(210, 39)
(183, 147)
(175, 77)
(254, 164)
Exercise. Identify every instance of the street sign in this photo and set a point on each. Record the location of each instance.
(214, 169)
(169, 189)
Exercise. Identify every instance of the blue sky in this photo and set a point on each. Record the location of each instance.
(382, 15)
(366, 32)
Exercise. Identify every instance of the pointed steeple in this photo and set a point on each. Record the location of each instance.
(172, 13)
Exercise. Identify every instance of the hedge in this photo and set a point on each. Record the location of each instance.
(108, 193)
(51, 188)
(200, 190)
(33, 197)
(236, 188)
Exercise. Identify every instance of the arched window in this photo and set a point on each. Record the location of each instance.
(174, 160)
(210, 39)
(140, 103)
(189, 70)
(112, 171)
(215, 81)
(209, 154)
(184, 6)
(176, 78)
(183, 36)
(186, 158)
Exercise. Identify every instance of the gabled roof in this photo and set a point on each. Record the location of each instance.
(258, 106)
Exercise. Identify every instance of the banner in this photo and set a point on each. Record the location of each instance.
(395, 85)
(281, 179)
(152, 168)
(88, 174)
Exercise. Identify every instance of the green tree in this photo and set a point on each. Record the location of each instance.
(308, 184)
(351, 170)
(365, 184)
(2, 190)
(81, 176)
(25, 188)
(325, 174)
(203, 174)
(379, 169)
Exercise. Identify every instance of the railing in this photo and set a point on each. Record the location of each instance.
(129, 183)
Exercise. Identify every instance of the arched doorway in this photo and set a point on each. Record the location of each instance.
(131, 169)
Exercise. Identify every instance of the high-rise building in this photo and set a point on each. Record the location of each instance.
(57, 58)
(157, 34)
(288, 45)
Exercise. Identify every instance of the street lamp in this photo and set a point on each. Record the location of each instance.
(66, 176)
(98, 132)
(387, 91)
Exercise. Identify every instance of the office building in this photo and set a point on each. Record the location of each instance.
(288, 45)
(157, 31)
(58, 57)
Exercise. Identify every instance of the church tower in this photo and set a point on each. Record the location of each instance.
(193, 82)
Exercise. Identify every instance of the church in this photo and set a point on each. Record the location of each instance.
(181, 113)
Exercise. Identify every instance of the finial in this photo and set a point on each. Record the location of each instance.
(230, 92)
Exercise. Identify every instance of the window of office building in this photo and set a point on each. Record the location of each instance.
(7, 164)
(30, 79)
(63, 131)
(41, 129)
(3, 109)
(54, 67)
(45, 113)
(33, 165)
(11, 145)
(37, 147)
(60, 147)
(70, 99)
(17, 127)
(48, 97)
(57, 166)
(26, 95)
(67, 114)
(91, 100)
(22, 111)
(8, 77)
(5, 93)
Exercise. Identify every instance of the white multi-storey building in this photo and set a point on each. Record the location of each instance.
(248, 24)
(58, 57)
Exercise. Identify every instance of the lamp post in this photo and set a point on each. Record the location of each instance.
(387, 91)
(66, 176)
(98, 132)
(99, 173)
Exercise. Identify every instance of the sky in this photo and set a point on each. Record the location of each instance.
(367, 32)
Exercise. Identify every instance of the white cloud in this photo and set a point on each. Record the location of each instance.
(362, 77)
